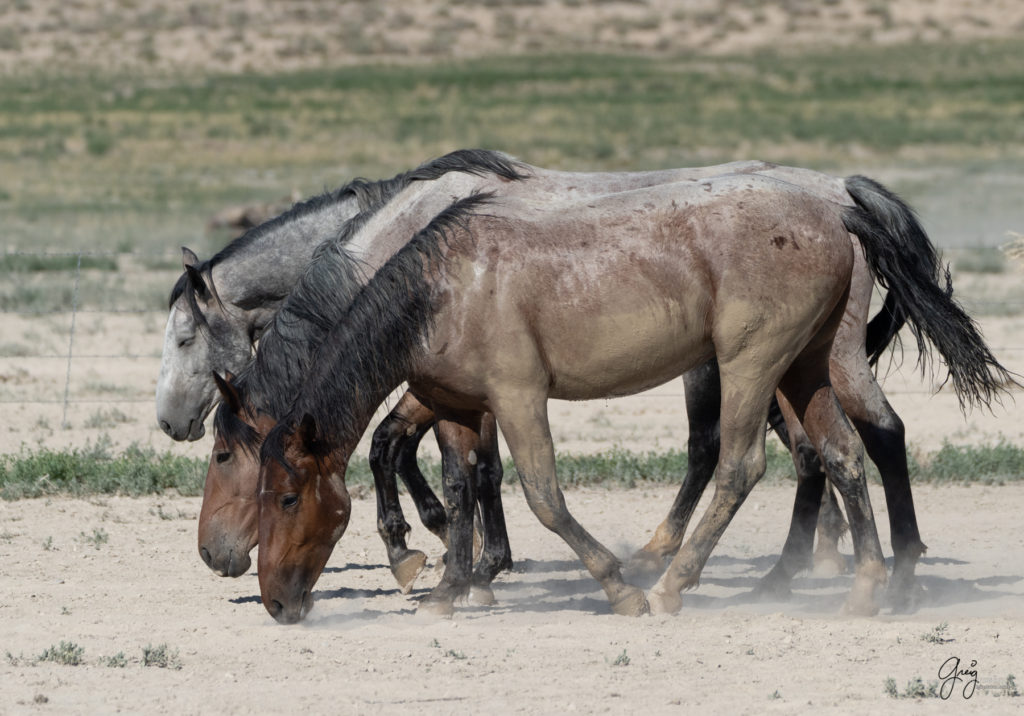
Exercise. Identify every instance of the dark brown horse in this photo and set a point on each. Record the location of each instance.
(501, 310)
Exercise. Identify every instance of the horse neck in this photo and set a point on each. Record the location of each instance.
(391, 228)
(258, 278)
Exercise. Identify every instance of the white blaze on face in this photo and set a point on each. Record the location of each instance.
(471, 458)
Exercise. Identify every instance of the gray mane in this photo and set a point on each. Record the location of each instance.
(369, 195)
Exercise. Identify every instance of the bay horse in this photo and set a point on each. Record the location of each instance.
(601, 297)
(219, 307)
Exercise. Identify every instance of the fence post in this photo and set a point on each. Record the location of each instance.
(71, 341)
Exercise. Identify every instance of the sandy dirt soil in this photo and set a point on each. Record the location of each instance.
(550, 645)
(241, 35)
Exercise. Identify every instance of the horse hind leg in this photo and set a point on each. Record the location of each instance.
(828, 560)
(882, 432)
(808, 391)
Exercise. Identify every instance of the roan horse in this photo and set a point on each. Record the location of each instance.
(218, 307)
(624, 292)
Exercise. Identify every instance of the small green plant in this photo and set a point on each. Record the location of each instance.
(775, 695)
(176, 515)
(622, 659)
(1010, 687)
(161, 656)
(435, 643)
(455, 654)
(890, 688)
(67, 653)
(98, 538)
(64, 611)
(48, 544)
(938, 635)
(117, 661)
(917, 689)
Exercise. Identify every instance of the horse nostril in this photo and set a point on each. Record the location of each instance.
(205, 554)
(165, 426)
(275, 608)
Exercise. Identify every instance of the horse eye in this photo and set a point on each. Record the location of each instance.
(186, 342)
(289, 501)
(223, 457)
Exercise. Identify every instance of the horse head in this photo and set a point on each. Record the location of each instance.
(201, 336)
(229, 517)
(304, 509)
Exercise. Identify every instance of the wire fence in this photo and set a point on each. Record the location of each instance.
(10, 352)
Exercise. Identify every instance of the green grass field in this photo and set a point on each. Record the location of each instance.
(139, 471)
(121, 163)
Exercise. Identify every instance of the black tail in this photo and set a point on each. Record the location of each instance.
(904, 261)
(883, 329)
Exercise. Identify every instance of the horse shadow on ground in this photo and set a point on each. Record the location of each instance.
(575, 590)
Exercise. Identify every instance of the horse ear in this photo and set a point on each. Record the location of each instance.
(188, 257)
(196, 279)
(228, 392)
(307, 431)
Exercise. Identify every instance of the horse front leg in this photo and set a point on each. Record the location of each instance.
(703, 398)
(458, 435)
(496, 554)
(524, 421)
(742, 463)
(406, 564)
(796, 552)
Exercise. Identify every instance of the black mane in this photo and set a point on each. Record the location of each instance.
(369, 352)
(234, 431)
(368, 195)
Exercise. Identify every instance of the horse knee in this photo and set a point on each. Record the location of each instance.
(740, 475)
(548, 508)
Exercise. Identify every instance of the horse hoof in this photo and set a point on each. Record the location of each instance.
(663, 602)
(829, 564)
(482, 596)
(860, 607)
(905, 598)
(431, 609)
(631, 602)
(643, 564)
(773, 588)
(408, 568)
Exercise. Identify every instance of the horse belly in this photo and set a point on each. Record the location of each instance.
(621, 353)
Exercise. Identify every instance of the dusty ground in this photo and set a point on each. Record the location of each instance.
(549, 646)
